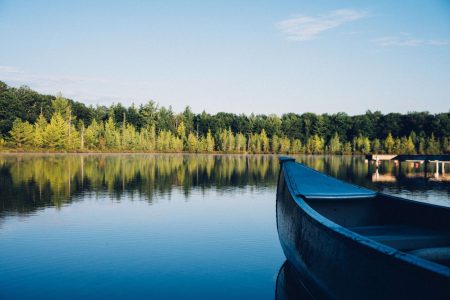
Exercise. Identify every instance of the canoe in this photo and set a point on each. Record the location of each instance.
(348, 242)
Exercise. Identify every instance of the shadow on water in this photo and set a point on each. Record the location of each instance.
(289, 286)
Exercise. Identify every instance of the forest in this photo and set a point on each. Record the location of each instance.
(30, 121)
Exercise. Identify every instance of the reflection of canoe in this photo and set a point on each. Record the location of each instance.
(289, 286)
(349, 242)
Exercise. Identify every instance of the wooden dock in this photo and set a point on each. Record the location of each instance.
(437, 159)
(409, 157)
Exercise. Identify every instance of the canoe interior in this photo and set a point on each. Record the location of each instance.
(402, 224)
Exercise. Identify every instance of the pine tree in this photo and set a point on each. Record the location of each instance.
(433, 145)
(56, 132)
(285, 145)
(62, 106)
(264, 141)
(335, 145)
(408, 145)
(39, 132)
(73, 141)
(92, 135)
(22, 133)
(297, 146)
(347, 148)
(376, 146)
(389, 144)
(209, 142)
(275, 144)
(112, 136)
(318, 144)
(241, 142)
(192, 143)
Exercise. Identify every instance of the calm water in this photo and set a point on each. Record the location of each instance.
(159, 226)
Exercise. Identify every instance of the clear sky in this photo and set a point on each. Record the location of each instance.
(235, 56)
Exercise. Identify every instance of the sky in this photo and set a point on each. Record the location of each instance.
(233, 56)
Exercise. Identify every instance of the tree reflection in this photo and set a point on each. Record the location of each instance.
(28, 182)
(31, 181)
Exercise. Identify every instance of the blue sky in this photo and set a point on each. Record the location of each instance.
(234, 56)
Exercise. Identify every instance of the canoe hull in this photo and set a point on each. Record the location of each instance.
(336, 264)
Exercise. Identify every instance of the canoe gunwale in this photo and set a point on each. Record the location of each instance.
(353, 238)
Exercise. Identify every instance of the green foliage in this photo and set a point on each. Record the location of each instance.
(62, 106)
(389, 144)
(24, 124)
(433, 146)
(39, 132)
(209, 142)
(227, 141)
(335, 145)
(275, 144)
(285, 145)
(192, 143)
(297, 146)
(22, 133)
(241, 143)
(315, 145)
(264, 141)
(92, 135)
(56, 132)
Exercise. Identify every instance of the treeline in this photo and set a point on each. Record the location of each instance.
(31, 121)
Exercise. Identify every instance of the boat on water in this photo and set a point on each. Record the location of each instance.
(348, 242)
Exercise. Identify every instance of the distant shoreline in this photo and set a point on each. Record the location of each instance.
(15, 151)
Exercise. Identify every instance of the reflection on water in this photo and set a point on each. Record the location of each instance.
(158, 226)
(31, 181)
(289, 286)
(28, 182)
(410, 170)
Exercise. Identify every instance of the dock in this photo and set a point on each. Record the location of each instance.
(440, 160)
(409, 157)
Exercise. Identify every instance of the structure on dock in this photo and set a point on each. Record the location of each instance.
(438, 160)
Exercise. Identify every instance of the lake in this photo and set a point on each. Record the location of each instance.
(160, 225)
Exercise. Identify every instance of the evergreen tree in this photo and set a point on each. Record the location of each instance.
(39, 132)
(389, 144)
(241, 142)
(209, 142)
(22, 133)
(192, 143)
(56, 132)
(335, 145)
(264, 141)
(92, 135)
(112, 136)
(408, 145)
(433, 145)
(62, 106)
(285, 145)
(376, 146)
(275, 144)
(297, 146)
(73, 141)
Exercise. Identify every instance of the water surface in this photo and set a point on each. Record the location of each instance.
(159, 226)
